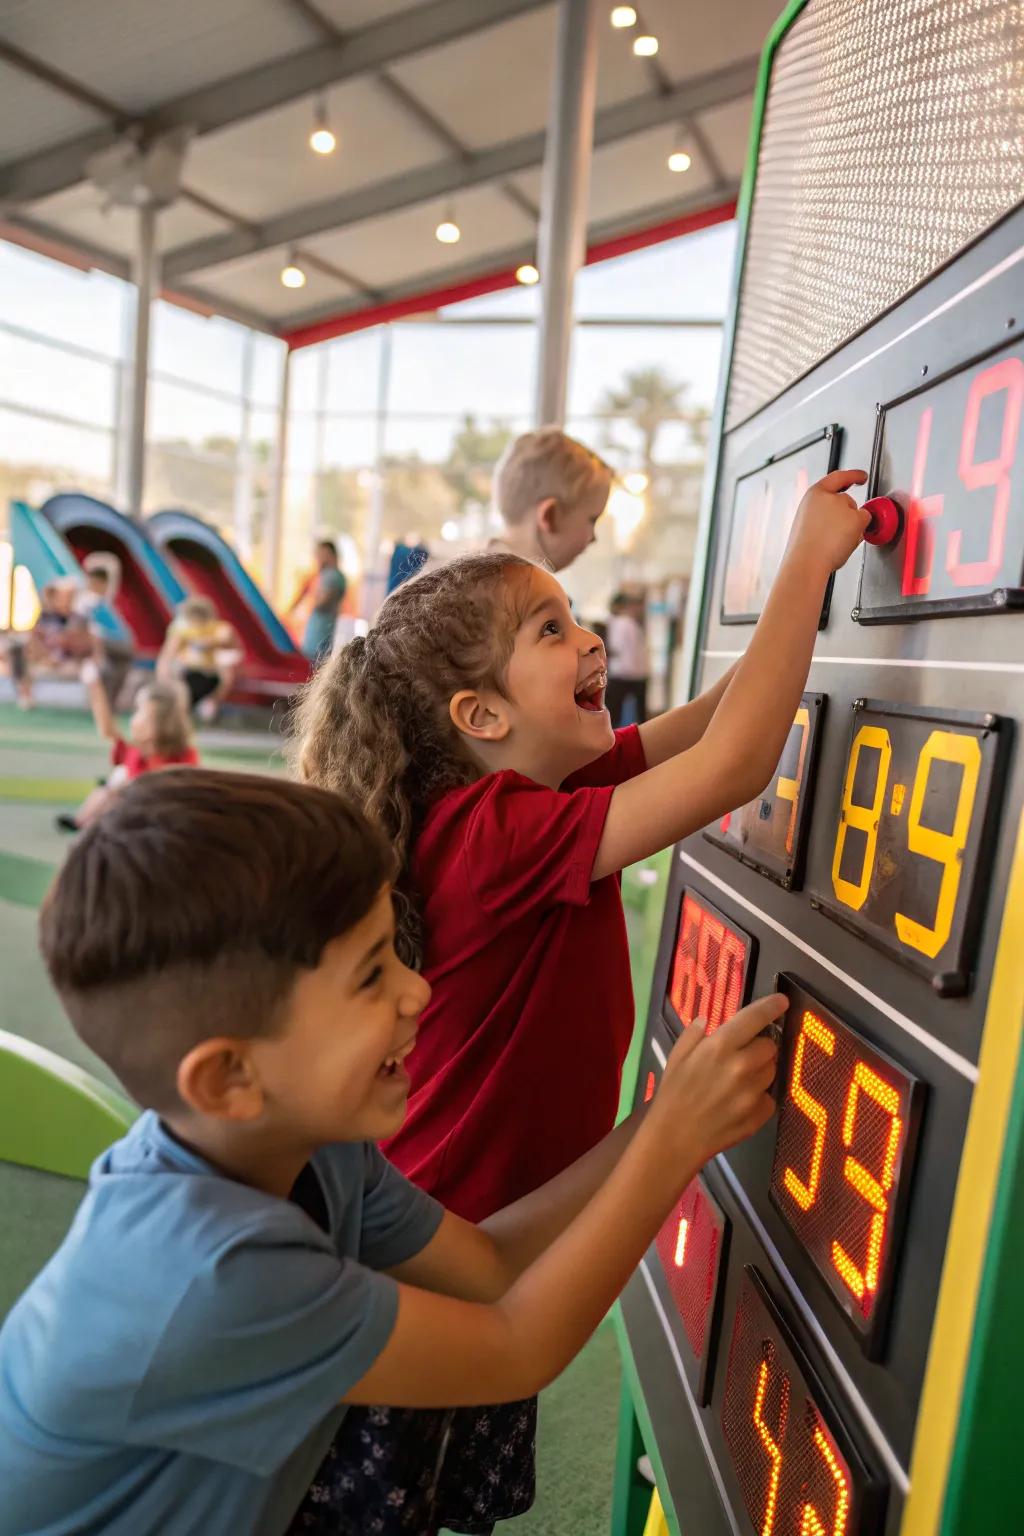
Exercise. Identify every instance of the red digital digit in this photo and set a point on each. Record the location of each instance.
(874, 1191)
(1006, 377)
(920, 508)
(709, 968)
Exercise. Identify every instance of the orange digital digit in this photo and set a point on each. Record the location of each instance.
(811, 1523)
(770, 1442)
(820, 1035)
(874, 1191)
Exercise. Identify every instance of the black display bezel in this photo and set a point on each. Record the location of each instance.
(869, 1334)
(872, 1486)
(791, 876)
(668, 1012)
(956, 982)
(999, 599)
(832, 433)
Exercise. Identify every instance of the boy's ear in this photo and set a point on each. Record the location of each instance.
(480, 716)
(547, 514)
(217, 1078)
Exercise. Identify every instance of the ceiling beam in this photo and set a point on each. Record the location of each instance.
(450, 176)
(57, 244)
(610, 237)
(223, 102)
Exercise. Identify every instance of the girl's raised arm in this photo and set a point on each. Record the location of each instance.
(738, 752)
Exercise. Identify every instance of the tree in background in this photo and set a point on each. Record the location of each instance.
(648, 398)
(471, 459)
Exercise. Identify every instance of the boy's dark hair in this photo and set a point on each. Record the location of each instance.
(328, 545)
(187, 908)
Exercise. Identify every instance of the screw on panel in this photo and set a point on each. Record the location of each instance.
(859, 703)
(1000, 597)
(855, 614)
(1011, 323)
(989, 721)
(924, 370)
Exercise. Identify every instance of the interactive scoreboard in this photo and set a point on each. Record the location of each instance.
(825, 1339)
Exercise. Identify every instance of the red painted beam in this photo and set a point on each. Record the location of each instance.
(494, 282)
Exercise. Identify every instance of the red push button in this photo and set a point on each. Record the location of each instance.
(886, 523)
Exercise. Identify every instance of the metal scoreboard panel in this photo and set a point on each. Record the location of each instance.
(886, 944)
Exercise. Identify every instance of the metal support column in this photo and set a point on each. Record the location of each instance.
(146, 275)
(374, 585)
(563, 222)
(275, 518)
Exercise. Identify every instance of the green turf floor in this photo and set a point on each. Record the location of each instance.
(49, 758)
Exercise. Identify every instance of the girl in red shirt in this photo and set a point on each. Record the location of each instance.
(470, 725)
(159, 736)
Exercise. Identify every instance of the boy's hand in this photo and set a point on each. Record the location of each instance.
(715, 1091)
(829, 524)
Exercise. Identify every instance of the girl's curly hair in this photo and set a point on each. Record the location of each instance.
(374, 726)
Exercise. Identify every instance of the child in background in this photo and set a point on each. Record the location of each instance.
(159, 736)
(204, 651)
(245, 1263)
(628, 665)
(470, 726)
(550, 491)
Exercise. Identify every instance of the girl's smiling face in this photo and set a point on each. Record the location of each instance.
(555, 687)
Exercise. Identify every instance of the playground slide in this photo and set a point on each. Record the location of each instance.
(47, 556)
(210, 566)
(149, 591)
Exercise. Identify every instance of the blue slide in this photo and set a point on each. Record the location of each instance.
(47, 556)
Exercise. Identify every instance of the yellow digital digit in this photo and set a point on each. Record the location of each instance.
(864, 818)
(789, 789)
(945, 848)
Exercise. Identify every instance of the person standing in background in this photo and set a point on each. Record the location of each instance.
(329, 586)
(550, 492)
(628, 666)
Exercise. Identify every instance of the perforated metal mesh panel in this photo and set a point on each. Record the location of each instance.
(893, 135)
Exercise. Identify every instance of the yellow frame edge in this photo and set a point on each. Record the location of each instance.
(948, 1353)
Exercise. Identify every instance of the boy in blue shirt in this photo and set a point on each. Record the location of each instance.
(245, 1262)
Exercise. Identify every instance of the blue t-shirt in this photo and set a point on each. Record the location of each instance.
(177, 1366)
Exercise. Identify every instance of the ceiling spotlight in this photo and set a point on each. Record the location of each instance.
(645, 46)
(679, 160)
(321, 139)
(527, 274)
(635, 483)
(292, 275)
(448, 232)
(623, 16)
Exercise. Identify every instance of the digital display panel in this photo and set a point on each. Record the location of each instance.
(764, 506)
(712, 963)
(793, 1463)
(844, 1139)
(952, 456)
(770, 833)
(912, 842)
(691, 1247)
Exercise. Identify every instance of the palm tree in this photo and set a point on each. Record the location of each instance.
(650, 398)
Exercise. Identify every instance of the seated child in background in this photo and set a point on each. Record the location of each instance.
(469, 724)
(160, 736)
(550, 491)
(245, 1263)
(205, 652)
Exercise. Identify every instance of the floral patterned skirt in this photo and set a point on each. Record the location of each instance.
(412, 1471)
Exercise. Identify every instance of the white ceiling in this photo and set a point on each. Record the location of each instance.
(484, 90)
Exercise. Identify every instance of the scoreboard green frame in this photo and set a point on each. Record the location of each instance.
(847, 1352)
